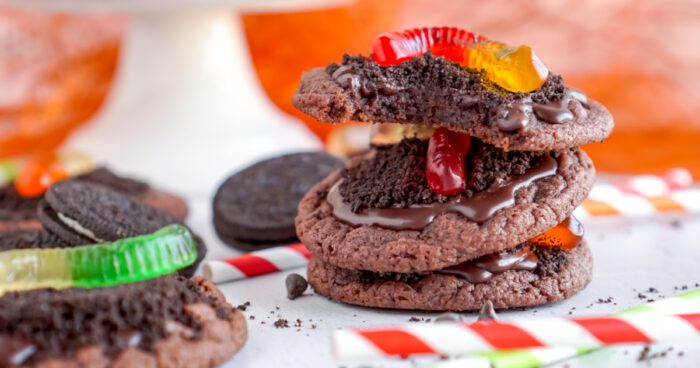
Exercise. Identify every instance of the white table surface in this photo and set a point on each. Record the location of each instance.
(205, 142)
(631, 255)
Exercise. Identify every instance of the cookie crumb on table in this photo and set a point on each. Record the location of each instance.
(281, 323)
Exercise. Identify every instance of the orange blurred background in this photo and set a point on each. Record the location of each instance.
(638, 58)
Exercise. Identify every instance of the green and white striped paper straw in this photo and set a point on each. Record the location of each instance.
(688, 302)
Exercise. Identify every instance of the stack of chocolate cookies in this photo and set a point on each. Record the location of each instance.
(465, 195)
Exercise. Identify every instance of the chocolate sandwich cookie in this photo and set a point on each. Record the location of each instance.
(166, 322)
(84, 213)
(435, 91)
(396, 224)
(139, 190)
(521, 277)
(20, 213)
(257, 205)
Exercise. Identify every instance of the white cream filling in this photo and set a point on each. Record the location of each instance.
(75, 226)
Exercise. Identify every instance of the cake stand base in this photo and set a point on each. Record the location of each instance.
(187, 104)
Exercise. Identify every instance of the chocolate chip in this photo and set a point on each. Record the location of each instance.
(296, 285)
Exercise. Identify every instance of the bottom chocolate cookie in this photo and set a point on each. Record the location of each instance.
(167, 322)
(557, 276)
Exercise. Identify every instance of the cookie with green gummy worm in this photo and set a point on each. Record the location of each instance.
(169, 321)
(126, 260)
(84, 213)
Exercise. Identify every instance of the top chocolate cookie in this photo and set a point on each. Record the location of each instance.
(433, 90)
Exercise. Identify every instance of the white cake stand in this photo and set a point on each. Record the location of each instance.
(186, 100)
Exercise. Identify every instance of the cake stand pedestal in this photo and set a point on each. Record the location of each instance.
(186, 100)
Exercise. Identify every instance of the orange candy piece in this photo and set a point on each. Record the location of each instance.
(39, 172)
(516, 69)
(567, 235)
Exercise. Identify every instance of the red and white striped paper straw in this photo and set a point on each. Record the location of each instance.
(656, 184)
(257, 263)
(452, 339)
(643, 195)
(607, 200)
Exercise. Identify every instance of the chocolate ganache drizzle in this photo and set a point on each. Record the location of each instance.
(484, 268)
(347, 77)
(515, 116)
(479, 207)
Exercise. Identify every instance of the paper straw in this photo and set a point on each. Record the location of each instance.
(643, 195)
(660, 329)
(257, 263)
(452, 339)
(656, 184)
(688, 302)
(606, 200)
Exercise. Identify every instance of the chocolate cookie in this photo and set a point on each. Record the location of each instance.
(260, 202)
(556, 278)
(166, 322)
(17, 212)
(22, 239)
(139, 190)
(450, 238)
(394, 175)
(432, 90)
(83, 213)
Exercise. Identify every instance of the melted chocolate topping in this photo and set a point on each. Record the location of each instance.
(479, 207)
(543, 261)
(347, 77)
(484, 268)
(515, 116)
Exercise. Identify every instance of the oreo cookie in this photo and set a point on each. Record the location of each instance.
(83, 213)
(167, 322)
(138, 190)
(20, 213)
(257, 206)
